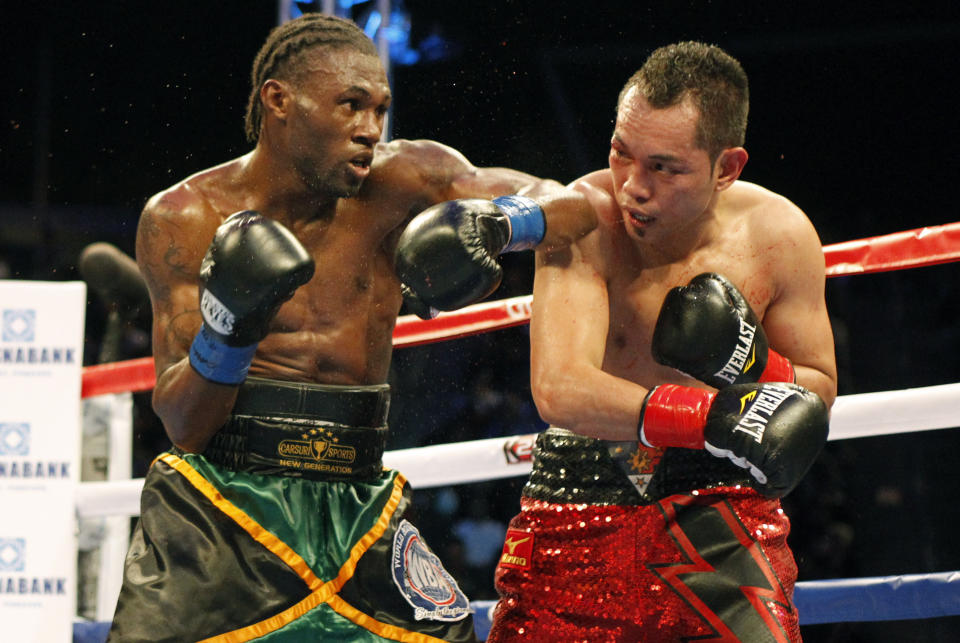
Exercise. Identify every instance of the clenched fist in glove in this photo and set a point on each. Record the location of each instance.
(708, 330)
(447, 255)
(252, 266)
(775, 430)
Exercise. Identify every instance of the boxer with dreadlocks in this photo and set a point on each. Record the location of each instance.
(274, 300)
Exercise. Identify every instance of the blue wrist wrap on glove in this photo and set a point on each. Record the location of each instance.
(218, 362)
(527, 222)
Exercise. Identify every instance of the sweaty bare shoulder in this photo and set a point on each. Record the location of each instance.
(776, 222)
(409, 174)
(771, 216)
(598, 188)
(587, 248)
(173, 223)
(441, 173)
(173, 233)
(419, 165)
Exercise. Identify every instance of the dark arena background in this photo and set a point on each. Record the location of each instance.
(853, 117)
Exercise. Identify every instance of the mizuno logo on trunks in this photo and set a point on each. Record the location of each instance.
(517, 549)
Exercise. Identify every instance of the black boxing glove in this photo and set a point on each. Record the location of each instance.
(252, 266)
(446, 256)
(708, 330)
(416, 305)
(774, 430)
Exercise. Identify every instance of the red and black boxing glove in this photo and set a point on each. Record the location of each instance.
(775, 430)
(707, 329)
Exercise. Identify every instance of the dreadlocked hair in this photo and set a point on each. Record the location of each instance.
(280, 56)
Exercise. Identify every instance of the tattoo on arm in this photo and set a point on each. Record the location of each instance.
(180, 331)
(173, 258)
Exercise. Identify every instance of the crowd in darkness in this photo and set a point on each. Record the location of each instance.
(836, 124)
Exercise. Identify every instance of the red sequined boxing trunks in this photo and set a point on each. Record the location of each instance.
(592, 559)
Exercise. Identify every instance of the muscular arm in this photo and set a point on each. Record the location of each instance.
(796, 321)
(568, 332)
(448, 175)
(170, 247)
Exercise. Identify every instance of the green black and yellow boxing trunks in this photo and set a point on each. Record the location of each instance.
(286, 529)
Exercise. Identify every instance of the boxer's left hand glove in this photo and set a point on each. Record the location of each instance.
(774, 430)
(708, 330)
(252, 266)
(446, 256)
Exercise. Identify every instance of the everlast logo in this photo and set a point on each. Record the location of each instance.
(316, 450)
(754, 421)
(517, 549)
(216, 314)
(744, 355)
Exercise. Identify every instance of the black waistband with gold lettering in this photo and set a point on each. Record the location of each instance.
(317, 431)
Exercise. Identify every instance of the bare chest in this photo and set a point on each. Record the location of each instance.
(338, 327)
(635, 298)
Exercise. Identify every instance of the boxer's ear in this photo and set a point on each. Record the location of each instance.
(275, 96)
(728, 167)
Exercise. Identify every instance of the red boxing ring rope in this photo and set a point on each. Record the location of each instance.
(909, 249)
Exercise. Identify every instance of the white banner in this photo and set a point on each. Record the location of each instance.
(41, 357)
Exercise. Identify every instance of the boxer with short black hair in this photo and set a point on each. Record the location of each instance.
(274, 299)
(683, 355)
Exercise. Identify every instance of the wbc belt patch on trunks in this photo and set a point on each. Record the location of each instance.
(422, 579)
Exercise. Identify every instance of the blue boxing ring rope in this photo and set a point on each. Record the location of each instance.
(878, 598)
(846, 600)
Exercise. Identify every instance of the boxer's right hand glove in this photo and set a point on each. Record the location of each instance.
(447, 255)
(774, 430)
(252, 266)
(416, 305)
(708, 330)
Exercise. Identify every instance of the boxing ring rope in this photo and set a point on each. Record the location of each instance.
(909, 249)
(853, 416)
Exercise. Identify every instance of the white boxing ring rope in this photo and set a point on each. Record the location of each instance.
(853, 416)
